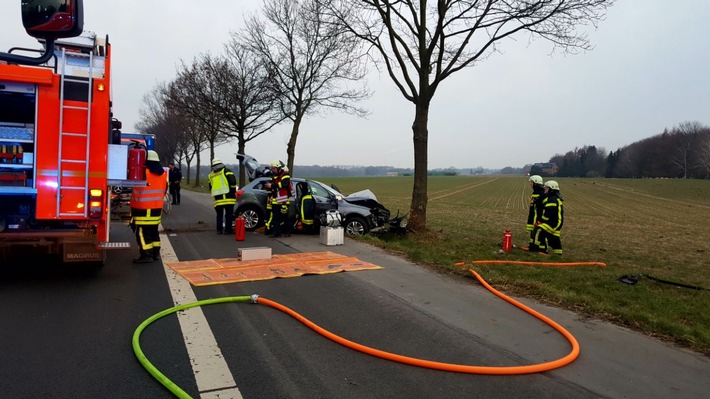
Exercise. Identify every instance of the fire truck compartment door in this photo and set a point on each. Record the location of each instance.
(117, 162)
(118, 167)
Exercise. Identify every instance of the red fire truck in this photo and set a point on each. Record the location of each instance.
(55, 138)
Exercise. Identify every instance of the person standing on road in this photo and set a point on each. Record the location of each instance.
(547, 232)
(223, 187)
(174, 177)
(280, 194)
(535, 211)
(146, 209)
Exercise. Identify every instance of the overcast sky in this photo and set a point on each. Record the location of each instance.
(648, 71)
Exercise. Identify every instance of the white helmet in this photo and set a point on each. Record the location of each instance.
(276, 164)
(552, 185)
(537, 179)
(152, 156)
(216, 161)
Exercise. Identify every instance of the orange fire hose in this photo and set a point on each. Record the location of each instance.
(528, 263)
(459, 368)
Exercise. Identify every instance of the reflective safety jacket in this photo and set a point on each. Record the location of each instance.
(223, 187)
(307, 205)
(147, 202)
(535, 212)
(552, 214)
(281, 188)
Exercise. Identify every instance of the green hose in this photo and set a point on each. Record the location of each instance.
(172, 387)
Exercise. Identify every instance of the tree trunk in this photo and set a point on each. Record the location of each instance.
(188, 171)
(197, 171)
(242, 173)
(417, 212)
(291, 148)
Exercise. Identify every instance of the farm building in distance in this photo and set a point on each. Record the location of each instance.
(544, 169)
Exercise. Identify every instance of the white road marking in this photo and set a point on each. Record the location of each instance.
(213, 378)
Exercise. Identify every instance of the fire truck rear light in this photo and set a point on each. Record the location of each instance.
(100, 87)
(96, 203)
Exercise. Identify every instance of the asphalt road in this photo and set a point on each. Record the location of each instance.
(65, 335)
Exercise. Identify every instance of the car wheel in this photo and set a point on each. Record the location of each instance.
(356, 226)
(252, 218)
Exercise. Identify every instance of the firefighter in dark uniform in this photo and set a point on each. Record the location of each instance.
(146, 209)
(535, 211)
(280, 194)
(548, 229)
(223, 187)
(175, 177)
(306, 207)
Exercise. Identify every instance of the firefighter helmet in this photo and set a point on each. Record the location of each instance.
(276, 164)
(537, 179)
(152, 156)
(216, 161)
(552, 185)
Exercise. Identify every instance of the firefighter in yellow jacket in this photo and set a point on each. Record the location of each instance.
(146, 209)
(223, 187)
(549, 226)
(535, 210)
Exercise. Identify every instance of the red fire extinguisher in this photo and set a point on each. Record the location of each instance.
(136, 163)
(239, 229)
(507, 240)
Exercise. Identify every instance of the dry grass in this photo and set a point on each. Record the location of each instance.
(653, 228)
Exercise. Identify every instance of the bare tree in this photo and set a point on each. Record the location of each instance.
(157, 118)
(702, 160)
(250, 108)
(424, 42)
(682, 153)
(196, 143)
(688, 141)
(195, 93)
(310, 60)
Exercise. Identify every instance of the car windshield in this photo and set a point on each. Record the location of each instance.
(321, 190)
(316, 187)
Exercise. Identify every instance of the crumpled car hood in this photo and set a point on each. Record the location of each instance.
(364, 198)
(366, 194)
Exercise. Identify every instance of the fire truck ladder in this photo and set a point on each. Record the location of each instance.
(62, 133)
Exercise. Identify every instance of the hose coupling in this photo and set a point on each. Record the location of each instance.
(254, 298)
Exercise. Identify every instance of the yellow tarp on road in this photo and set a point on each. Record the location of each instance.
(233, 270)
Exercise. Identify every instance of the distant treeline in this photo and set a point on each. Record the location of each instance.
(682, 152)
(312, 171)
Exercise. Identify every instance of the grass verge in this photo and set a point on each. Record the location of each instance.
(653, 228)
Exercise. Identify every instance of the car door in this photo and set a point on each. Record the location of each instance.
(325, 200)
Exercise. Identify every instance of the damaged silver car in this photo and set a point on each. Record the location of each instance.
(361, 212)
